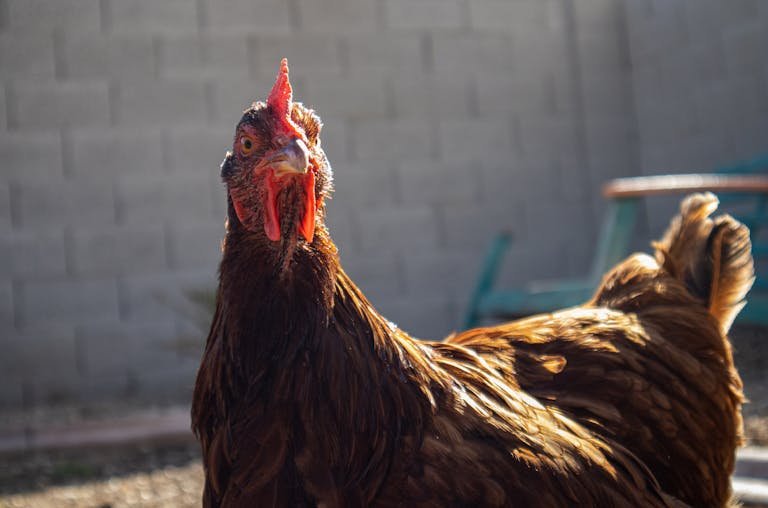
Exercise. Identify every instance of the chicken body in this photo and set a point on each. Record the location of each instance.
(306, 396)
(647, 362)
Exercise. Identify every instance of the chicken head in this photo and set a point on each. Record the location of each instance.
(277, 175)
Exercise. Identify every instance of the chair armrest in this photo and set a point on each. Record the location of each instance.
(680, 184)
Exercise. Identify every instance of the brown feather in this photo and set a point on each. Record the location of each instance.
(306, 396)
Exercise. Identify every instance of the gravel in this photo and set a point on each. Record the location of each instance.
(165, 476)
(127, 477)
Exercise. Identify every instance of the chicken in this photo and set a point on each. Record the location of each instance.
(307, 396)
(647, 362)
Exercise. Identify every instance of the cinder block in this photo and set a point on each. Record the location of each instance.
(199, 150)
(5, 207)
(438, 182)
(7, 314)
(197, 245)
(338, 16)
(400, 229)
(233, 96)
(569, 222)
(127, 57)
(340, 223)
(467, 140)
(520, 179)
(178, 196)
(428, 318)
(114, 386)
(447, 273)
(117, 151)
(153, 16)
(611, 137)
(306, 54)
(598, 16)
(108, 349)
(42, 15)
(265, 16)
(652, 37)
(219, 193)
(745, 47)
(53, 203)
(205, 56)
(424, 14)
(379, 277)
(31, 255)
(608, 165)
(11, 398)
(576, 182)
(119, 250)
(3, 110)
(499, 95)
(638, 13)
(27, 156)
(68, 301)
(165, 296)
(703, 19)
(539, 258)
(705, 61)
(334, 138)
(45, 355)
(171, 386)
(394, 139)
(565, 98)
(25, 56)
(431, 95)
(363, 184)
(384, 53)
(471, 53)
(357, 96)
(607, 94)
(602, 54)
(191, 335)
(50, 105)
(162, 103)
(542, 136)
(473, 227)
(541, 53)
(504, 16)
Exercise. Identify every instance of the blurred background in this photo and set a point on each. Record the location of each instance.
(446, 121)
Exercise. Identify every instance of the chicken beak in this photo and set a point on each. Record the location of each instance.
(290, 160)
(293, 158)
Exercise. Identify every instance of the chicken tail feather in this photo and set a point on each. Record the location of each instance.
(712, 257)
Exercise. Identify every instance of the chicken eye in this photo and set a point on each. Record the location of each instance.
(246, 145)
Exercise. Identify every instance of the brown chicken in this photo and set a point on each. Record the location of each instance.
(306, 396)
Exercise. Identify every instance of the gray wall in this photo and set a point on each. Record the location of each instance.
(446, 121)
(700, 80)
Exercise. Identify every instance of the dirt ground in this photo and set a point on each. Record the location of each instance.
(151, 477)
(119, 478)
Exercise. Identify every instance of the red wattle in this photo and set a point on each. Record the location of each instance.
(271, 215)
(307, 225)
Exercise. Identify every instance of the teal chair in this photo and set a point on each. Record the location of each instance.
(732, 184)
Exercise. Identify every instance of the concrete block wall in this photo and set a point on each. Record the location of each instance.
(700, 80)
(445, 121)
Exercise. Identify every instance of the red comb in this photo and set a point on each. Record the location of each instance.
(280, 97)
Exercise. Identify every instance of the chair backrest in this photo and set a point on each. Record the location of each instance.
(615, 236)
(618, 226)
